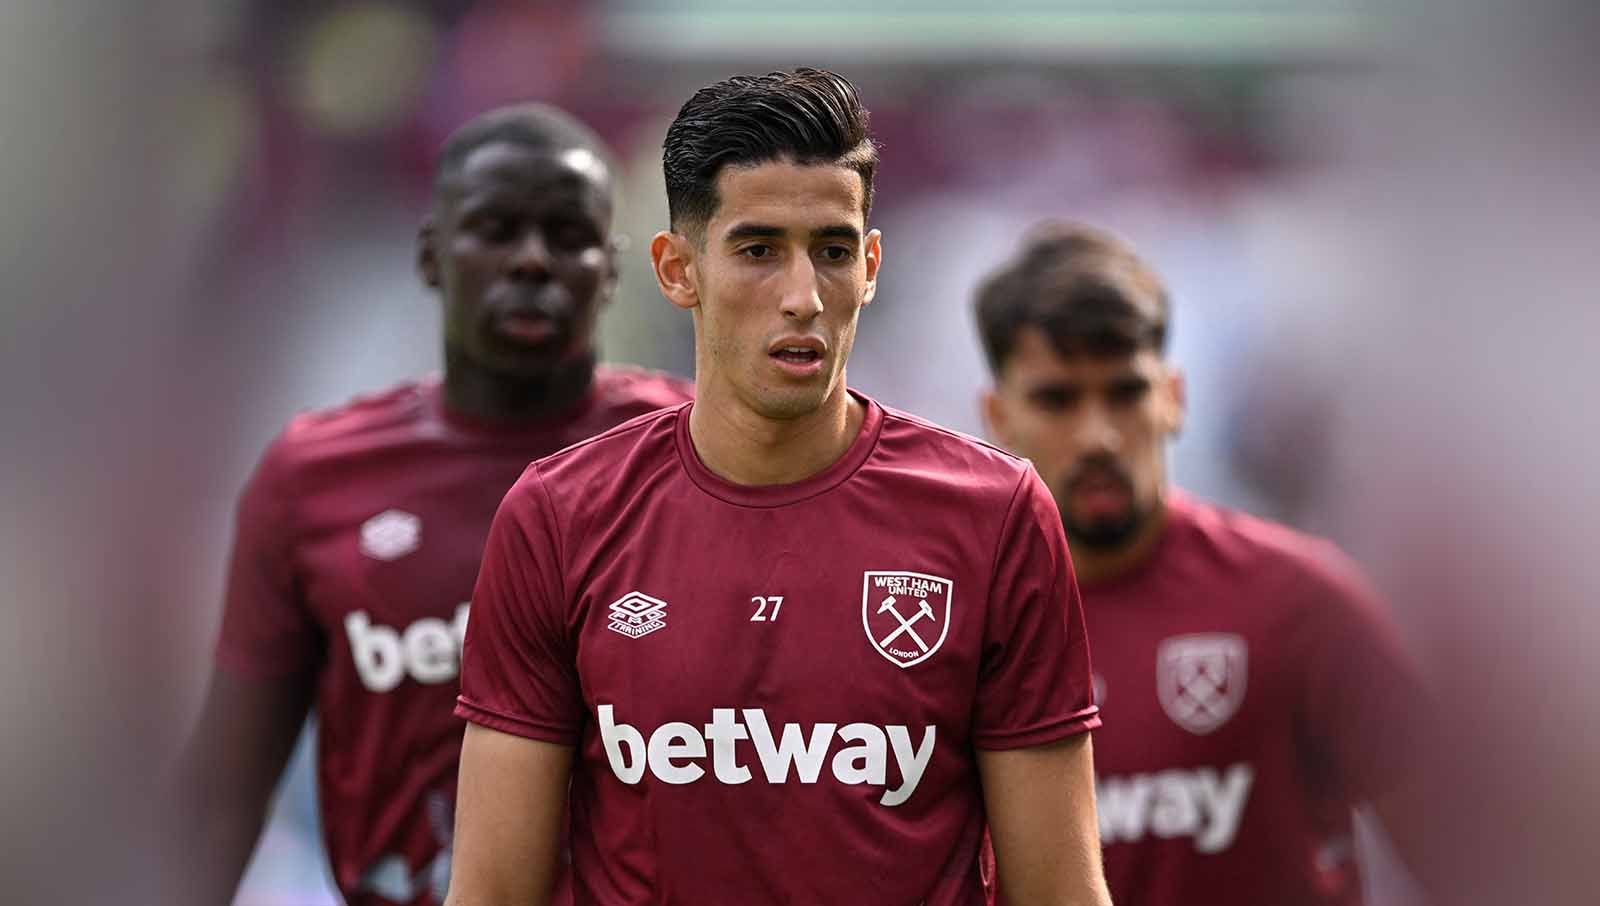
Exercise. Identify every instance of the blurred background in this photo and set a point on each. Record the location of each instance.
(1379, 226)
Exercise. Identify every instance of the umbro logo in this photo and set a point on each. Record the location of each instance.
(635, 614)
(391, 535)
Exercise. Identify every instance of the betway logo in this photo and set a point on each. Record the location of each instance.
(429, 650)
(675, 750)
(1201, 803)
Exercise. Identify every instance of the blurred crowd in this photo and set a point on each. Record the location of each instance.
(1377, 225)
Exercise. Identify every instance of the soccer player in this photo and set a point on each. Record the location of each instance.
(1257, 687)
(788, 645)
(360, 534)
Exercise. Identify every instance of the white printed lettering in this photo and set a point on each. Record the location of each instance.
(867, 762)
(791, 749)
(1174, 813)
(911, 764)
(376, 649)
(1224, 801)
(676, 740)
(674, 751)
(1202, 803)
(614, 736)
(723, 731)
(429, 650)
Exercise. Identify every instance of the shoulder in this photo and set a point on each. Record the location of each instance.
(920, 451)
(1315, 568)
(624, 386)
(610, 462)
(348, 430)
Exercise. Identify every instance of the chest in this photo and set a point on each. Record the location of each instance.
(1192, 673)
(399, 540)
(812, 614)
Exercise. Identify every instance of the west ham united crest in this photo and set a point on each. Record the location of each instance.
(1200, 679)
(906, 615)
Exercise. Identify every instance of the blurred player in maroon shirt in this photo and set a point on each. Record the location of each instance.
(1256, 687)
(787, 645)
(360, 534)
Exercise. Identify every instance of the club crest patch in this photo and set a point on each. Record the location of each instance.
(1200, 679)
(906, 615)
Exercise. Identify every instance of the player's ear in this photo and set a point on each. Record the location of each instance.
(427, 253)
(1177, 390)
(872, 252)
(671, 256)
(615, 246)
(994, 416)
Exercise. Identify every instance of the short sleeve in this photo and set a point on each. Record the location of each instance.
(267, 629)
(519, 670)
(1364, 698)
(1034, 684)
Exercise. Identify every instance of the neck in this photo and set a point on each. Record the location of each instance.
(474, 391)
(1094, 565)
(746, 448)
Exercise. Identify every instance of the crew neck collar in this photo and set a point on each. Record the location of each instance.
(776, 495)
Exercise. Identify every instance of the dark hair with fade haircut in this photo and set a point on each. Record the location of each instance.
(537, 127)
(811, 116)
(1085, 289)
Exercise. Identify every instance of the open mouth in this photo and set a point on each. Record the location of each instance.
(797, 355)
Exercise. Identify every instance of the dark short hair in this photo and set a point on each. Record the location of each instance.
(1085, 289)
(537, 127)
(810, 116)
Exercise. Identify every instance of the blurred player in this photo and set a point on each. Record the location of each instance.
(776, 638)
(1257, 688)
(360, 534)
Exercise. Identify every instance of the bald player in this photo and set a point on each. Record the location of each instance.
(359, 535)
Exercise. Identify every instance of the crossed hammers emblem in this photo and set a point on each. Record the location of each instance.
(906, 625)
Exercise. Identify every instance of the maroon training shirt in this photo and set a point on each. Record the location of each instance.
(358, 540)
(1257, 691)
(776, 693)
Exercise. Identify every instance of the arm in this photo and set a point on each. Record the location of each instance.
(521, 695)
(1042, 820)
(225, 778)
(509, 806)
(1034, 709)
(269, 652)
(1367, 713)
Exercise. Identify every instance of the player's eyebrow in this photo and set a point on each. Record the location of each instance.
(752, 231)
(838, 231)
(766, 231)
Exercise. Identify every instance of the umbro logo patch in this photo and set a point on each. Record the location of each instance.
(636, 614)
(391, 535)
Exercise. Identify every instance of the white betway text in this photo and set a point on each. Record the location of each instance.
(675, 752)
(429, 650)
(1203, 803)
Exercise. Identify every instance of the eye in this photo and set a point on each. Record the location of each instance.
(758, 251)
(493, 228)
(1053, 399)
(572, 236)
(837, 254)
(1128, 393)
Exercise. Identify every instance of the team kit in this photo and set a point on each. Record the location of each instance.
(579, 633)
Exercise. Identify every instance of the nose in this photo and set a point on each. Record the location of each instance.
(800, 299)
(1095, 432)
(530, 258)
